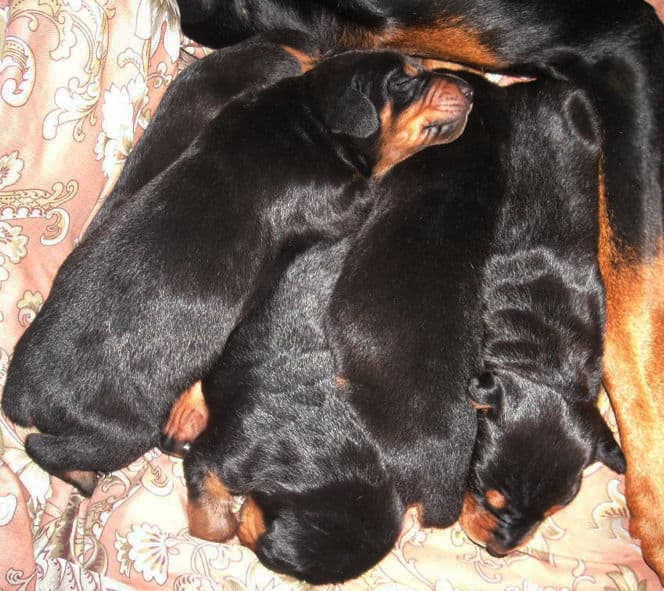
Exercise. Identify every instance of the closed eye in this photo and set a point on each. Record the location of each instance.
(400, 82)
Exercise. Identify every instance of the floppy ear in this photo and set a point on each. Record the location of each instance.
(351, 113)
(582, 117)
(486, 392)
(608, 451)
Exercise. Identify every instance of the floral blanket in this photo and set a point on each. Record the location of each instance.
(79, 80)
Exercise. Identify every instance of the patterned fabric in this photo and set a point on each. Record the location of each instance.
(79, 80)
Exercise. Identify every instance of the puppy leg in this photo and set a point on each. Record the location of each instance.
(189, 416)
(56, 454)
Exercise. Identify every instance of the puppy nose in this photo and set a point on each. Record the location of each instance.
(460, 84)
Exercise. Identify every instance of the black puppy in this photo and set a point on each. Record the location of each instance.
(198, 95)
(144, 306)
(320, 504)
(191, 102)
(404, 318)
(542, 314)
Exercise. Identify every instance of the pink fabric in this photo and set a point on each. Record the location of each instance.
(79, 80)
(659, 7)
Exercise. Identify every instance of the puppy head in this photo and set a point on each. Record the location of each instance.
(324, 535)
(531, 449)
(387, 106)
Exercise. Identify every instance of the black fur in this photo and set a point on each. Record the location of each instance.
(196, 97)
(408, 327)
(143, 307)
(404, 316)
(307, 448)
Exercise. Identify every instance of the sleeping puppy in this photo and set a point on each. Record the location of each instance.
(404, 318)
(197, 96)
(542, 314)
(320, 504)
(144, 306)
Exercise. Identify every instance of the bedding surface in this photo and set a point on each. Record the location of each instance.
(79, 80)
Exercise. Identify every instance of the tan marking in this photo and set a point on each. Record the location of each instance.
(189, 415)
(404, 135)
(210, 515)
(307, 62)
(252, 524)
(553, 510)
(418, 509)
(480, 525)
(496, 499)
(634, 376)
(341, 382)
(476, 521)
(447, 39)
(479, 406)
(410, 69)
(493, 77)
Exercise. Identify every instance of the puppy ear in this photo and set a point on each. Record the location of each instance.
(582, 117)
(351, 113)
(608, 451)
(486, 392)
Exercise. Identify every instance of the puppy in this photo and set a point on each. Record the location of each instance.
(144, 306)
(320, 504)
(404, 318)
(542, 310)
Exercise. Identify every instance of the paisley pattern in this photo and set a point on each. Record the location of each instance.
(79, 82)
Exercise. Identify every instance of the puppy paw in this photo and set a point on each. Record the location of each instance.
(189, 417)
(252, 525)
(84, 480)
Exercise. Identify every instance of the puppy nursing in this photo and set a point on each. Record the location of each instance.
(543, 315)
(375, 325)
